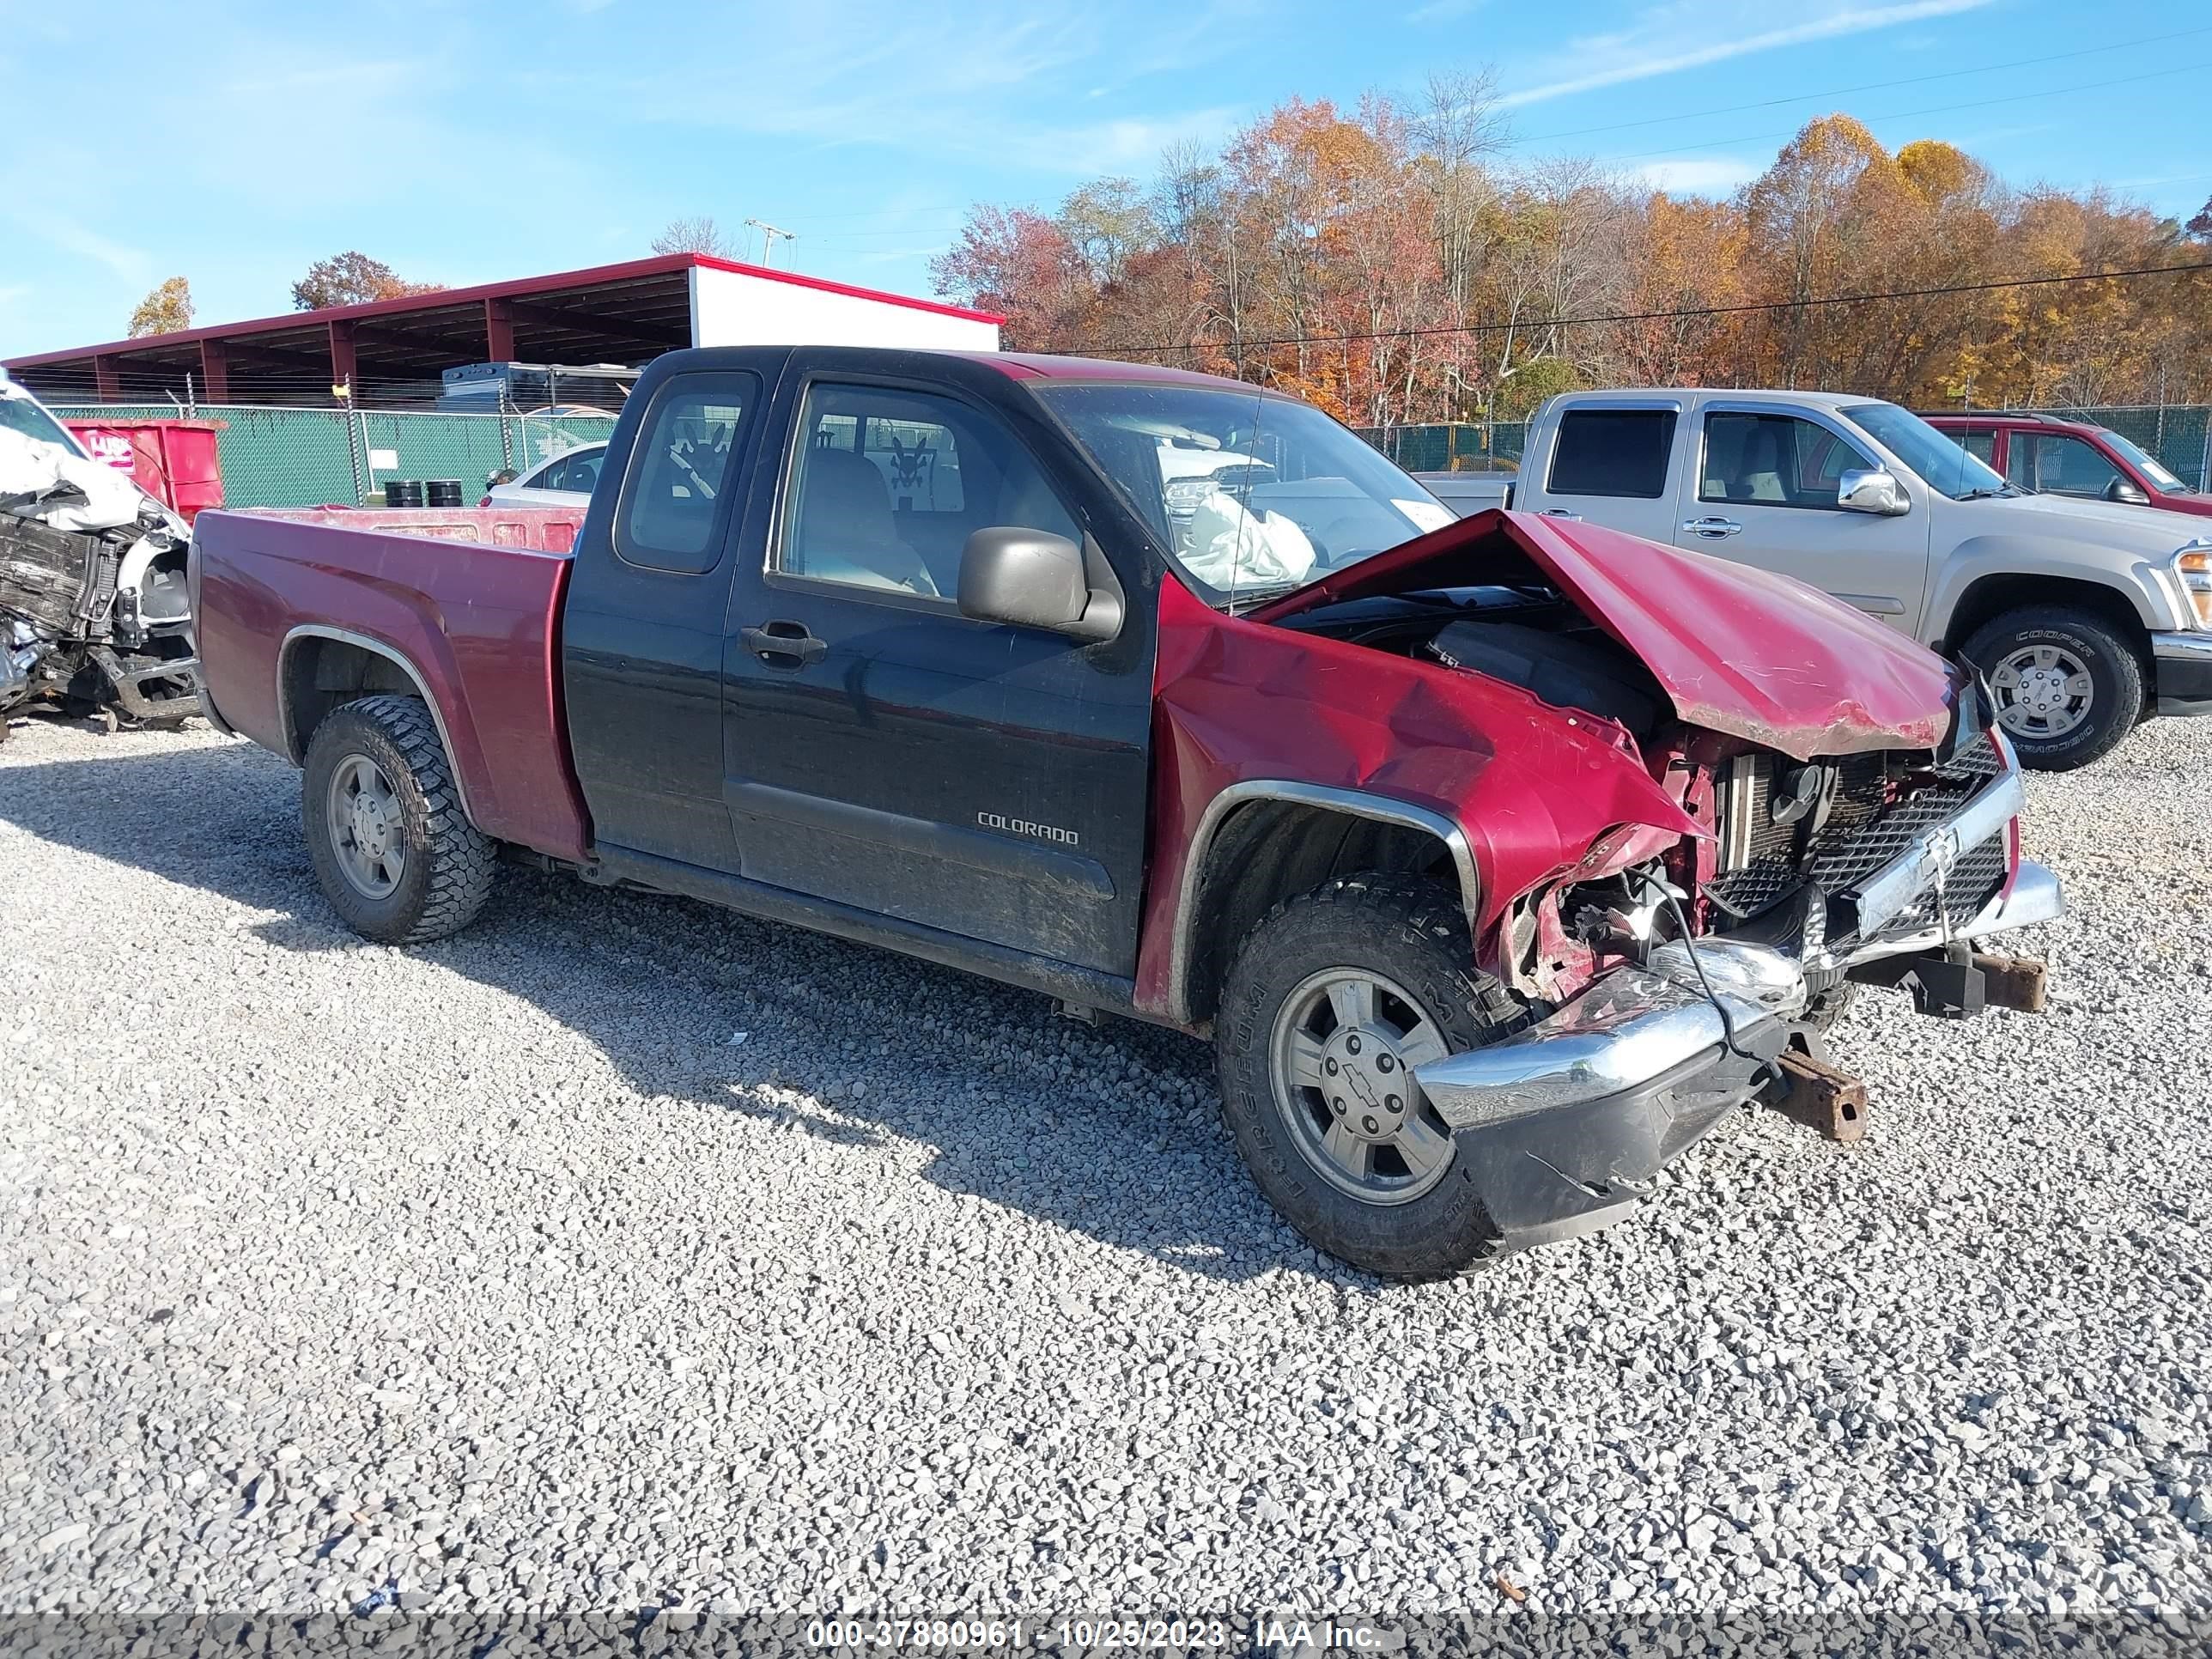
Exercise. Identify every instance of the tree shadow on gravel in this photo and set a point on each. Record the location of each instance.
(1114, 1131)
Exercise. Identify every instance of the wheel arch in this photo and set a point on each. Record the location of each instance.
(319, 667)
(1264, 839)
(1992, 594)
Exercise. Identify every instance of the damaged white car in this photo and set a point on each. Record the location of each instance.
(94, 616)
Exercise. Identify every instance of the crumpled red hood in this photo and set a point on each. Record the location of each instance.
(1737, 650)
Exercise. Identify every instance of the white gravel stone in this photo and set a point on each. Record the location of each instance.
(496, 1273)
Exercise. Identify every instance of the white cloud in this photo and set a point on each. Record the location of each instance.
(1642, 53)
(984, 92)
(1115, 146)
(1717, 176)
(129, 265)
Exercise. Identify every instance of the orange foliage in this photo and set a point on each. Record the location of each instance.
(1336, 254)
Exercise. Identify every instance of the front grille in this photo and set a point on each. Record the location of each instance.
(1876, 806)
(1972, 882)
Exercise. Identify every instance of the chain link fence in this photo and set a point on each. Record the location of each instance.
(2180, 436)
(279, 457)
(290, 457)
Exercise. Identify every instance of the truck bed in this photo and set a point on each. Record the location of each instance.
(477, 627)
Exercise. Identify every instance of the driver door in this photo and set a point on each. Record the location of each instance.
(1765, 495)
(883, 751)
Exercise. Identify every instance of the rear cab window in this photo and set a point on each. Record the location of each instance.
(1613, 452)
(677, 500)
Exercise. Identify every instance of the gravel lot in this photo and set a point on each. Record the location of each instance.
(498, 1275)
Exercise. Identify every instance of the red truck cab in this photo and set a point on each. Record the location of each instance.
(1499, 858)
(2054, 457)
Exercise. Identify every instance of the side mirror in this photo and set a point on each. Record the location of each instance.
(1033, 579)
(1872, 489)
(2130, 495)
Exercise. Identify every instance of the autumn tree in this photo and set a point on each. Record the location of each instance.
(1391, 264)
(696, 235)
(352, 279)
(164, 310)
(1023, 265)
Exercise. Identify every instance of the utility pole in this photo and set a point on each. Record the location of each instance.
(769, 233)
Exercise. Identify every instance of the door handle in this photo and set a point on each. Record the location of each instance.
(1561, 512)
(1711, 529)
(784, 644)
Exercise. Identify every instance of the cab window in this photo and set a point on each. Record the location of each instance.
(677, 499)
(1613, 452)
(1773, 461)
(887, 485)
(2060, 464)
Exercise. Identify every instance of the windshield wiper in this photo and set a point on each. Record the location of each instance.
(1986, 492)
(1248, 598)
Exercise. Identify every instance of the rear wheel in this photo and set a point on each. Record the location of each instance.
(2068, 686)
(398, 858)
(1334, 1000)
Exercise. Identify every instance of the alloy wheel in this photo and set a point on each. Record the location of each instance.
(2042, 691)
(366, 831)
(1341, 1059)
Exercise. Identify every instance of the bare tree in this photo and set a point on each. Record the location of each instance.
(696, 235)
(1457, 129)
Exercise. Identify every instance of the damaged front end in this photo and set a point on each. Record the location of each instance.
(1882, 868)
(1563, 1126)
(94, 616)
(1824, 801)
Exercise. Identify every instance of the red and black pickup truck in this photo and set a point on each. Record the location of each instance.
(1164, 695)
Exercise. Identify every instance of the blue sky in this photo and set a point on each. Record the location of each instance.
(234, 144)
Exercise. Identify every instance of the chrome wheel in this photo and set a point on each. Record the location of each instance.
(366, 831)
(2042, 691)
(1341, 1060)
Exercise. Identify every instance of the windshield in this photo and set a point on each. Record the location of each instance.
(2149, 464)
(1252, 494)
(18, 413)
(1941, 462)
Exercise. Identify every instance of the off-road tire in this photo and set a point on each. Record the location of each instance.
(1413, 931)
(449, 863)
(1828, 1006)
(2116, 678)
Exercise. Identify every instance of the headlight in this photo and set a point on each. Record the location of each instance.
(2193, 564)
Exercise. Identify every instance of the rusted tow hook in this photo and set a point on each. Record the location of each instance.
(1824, 1097)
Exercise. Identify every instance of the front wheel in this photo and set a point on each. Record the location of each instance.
(1334, 1000)
(397, 857)
(2068, 686)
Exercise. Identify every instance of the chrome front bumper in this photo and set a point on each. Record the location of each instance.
(1564, 1125)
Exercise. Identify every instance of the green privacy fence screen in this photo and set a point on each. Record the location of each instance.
(274, 457)
(2176, 435)
(311, 456)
